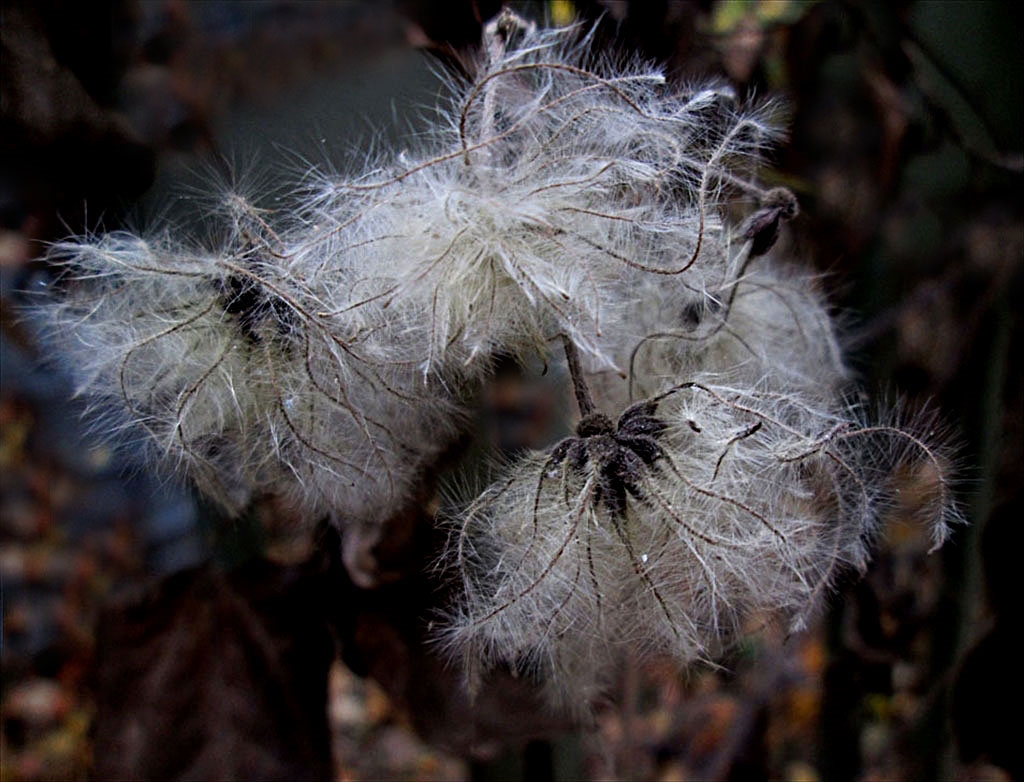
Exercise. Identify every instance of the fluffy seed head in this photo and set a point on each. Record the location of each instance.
(327, 353)
(552, 177)
(706, 508)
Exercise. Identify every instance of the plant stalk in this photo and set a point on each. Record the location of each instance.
(584, 399)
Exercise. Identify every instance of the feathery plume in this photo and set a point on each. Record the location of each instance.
(280, 359)
(554, 176)
(703, 509)
(739, 487)
(228, 366)
(330, 357)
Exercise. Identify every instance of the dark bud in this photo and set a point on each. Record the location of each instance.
(595, 424)
(509, 27)
(762, 228)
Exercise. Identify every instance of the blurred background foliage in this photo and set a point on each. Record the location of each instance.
(142, 637)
